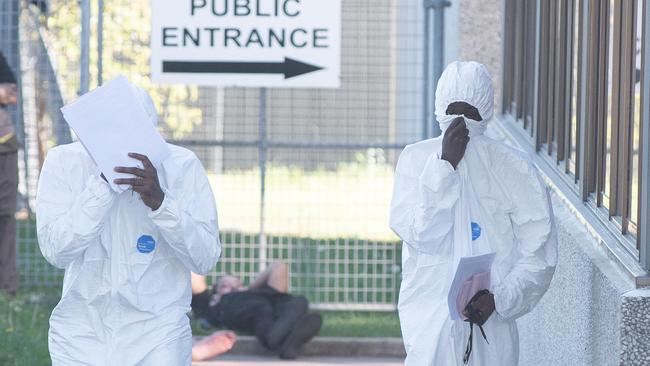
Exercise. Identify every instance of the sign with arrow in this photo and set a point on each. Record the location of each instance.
(251, 43)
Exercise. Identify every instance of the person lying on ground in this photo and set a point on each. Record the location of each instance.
(280, 321)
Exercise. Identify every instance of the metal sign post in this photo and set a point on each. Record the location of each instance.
(262, 162)
(84, 76)
(437, 54)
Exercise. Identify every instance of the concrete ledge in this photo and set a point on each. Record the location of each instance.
(330, 346)
(635, 328)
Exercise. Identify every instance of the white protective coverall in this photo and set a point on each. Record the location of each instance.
(496, 188)
(126, 290)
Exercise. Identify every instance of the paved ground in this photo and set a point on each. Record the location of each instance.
(232, 360)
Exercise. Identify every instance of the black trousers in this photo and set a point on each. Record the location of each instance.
(8, 193)
(265, 312)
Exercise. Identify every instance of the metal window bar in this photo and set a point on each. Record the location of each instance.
(530, 64)
(643, 236)
(617, 105)
(579, 29)
(519, 47)
(602, 102)
(543, 76)
(626, 125)
(550, 94)
(560, 94)
(586, 53)
(567, 114)
(508, 54)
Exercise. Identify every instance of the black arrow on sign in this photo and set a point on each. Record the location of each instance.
(289, 67)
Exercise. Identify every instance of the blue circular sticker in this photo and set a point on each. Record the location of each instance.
(146, 244)
(476, 231)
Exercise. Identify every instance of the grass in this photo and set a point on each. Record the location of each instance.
(24, 326)
(351, 201)
(23, 329)
(360, 324)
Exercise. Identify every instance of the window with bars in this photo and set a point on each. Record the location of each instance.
(574, 82)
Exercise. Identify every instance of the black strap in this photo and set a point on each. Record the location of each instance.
(474, 317)
(468, 349)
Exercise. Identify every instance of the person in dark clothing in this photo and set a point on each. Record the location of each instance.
(281, 322)
(8, 181)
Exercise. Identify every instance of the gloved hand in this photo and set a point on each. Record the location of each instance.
(455, 142)
(482, 306)
(478, 311)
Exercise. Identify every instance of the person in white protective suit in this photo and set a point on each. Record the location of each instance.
(127, 257)
(460, 195)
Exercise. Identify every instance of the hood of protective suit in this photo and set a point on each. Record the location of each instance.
(145, 100)
(492, 202)
(467, 82)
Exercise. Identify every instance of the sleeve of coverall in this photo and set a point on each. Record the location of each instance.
(421, 211)
(68, 221)
(187, 219)
(533, 227)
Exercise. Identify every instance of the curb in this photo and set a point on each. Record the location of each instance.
(330, 346)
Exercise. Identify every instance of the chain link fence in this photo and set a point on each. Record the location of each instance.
(301, 176)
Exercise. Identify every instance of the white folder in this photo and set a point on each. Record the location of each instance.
(111, 122)
(467, 267)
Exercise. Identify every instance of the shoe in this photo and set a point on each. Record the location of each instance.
(302, 333)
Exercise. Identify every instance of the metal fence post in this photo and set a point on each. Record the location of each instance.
(262, 165)
(438, 48)
(84, 65)
(100, 42)
(438, 51)
(425, 73)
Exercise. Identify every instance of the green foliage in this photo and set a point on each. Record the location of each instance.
(127, 28)
(23, 330)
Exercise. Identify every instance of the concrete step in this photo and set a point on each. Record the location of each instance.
(331, 347)
(241, 360)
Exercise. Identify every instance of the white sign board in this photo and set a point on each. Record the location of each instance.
(253, 43)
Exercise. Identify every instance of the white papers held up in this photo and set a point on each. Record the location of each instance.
(468, 268)
(111, 122)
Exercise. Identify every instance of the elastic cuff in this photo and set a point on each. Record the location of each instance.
(167, 209)
(498, 292)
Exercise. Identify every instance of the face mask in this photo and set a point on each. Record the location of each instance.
(475, 128)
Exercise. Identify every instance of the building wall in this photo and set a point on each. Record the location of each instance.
(480, 34)
(577, 322)
(591, 315)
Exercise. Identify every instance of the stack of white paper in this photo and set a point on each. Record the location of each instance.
(467, 267)
(111, 122)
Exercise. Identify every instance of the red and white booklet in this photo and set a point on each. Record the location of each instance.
(472, 275)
